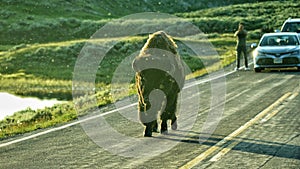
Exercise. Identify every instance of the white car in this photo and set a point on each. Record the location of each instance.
(291, 25)
(277, 50)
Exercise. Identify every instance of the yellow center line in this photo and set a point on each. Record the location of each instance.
(269, 116)
(224, 151)
(266, 118)
(230, 137)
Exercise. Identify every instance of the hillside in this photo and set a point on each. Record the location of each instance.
(36, 36)
(34, 40)
(57, 20)
(262, 16)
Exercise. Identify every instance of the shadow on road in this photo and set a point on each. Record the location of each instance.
(269, 148)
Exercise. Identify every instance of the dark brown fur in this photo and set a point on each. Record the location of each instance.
(158, 68)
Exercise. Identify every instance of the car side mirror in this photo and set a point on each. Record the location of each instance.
(253, 45)
(277, 30)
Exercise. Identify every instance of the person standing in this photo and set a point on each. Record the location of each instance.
(241, 35)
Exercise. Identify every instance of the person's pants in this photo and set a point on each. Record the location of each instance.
(240, 51)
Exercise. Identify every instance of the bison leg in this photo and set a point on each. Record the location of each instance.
(150, 127)
(164, 127)
(149, 106)
(155, 127)
(174, 123)
(170, 113)
(148, 130)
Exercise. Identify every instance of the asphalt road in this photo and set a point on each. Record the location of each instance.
(259, 128)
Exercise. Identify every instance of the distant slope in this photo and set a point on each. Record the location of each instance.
(95, 9)
(261, 17)
(43, 21)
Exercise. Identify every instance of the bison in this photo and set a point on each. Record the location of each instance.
(159, 79)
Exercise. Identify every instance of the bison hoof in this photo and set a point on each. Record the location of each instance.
(148, 135)
(174, 126)
(155, 127)
(164, 132)
(164, 128)
(148, 132)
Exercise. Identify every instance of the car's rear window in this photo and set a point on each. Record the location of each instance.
(291, 27)
(279, 40)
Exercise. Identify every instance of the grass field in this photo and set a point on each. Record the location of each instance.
(40, 43)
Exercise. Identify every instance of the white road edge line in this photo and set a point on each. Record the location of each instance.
(100, 115)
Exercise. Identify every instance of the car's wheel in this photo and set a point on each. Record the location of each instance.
(257, 69)
(298, 68)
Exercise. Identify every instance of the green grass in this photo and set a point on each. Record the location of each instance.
(262, 16)
(43, 21)
(29, 120)
(40, 43)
